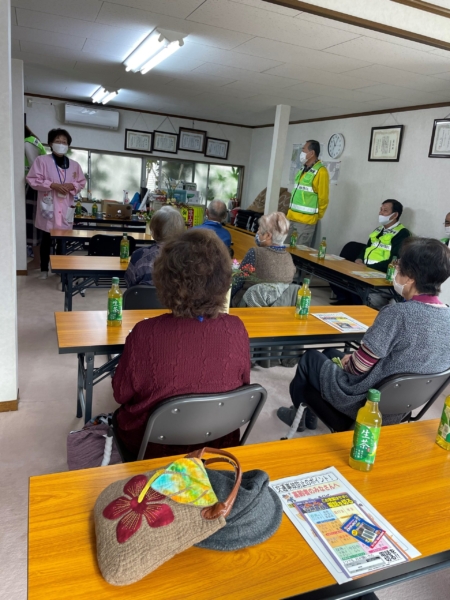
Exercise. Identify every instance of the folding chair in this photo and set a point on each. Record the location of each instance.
(141, 297)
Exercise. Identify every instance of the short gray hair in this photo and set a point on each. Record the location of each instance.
(167, 223)
(217, 210)
(277, 224)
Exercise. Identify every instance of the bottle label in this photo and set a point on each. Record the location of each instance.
(365, 442)
(390, 274)
(303, 305)
(124, 251)
(114, 309)
(322, 251)
(293, 242)
(444, 425)
(94, 212)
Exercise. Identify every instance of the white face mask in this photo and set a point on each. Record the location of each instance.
(383, 219)
(398, 287)
(447, 231)
(302, 157)
(60, 148)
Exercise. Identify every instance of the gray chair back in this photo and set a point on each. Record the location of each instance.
(199, 419)
(141, 297)
(404, 393)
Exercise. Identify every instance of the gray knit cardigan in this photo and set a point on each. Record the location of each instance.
(408, 337)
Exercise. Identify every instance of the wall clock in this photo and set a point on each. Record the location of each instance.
(336, 145)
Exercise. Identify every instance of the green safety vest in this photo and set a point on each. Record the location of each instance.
(445, 241)
(380, 245)
(32, 140)
(304, 199)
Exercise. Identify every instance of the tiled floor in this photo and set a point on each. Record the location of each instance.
(33, 439)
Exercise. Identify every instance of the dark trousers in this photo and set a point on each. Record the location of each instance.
(345, 296)
(46, 245)
(305, 388)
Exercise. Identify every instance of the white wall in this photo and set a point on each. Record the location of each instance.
(8, 304)
(420, 183)
(45, 114)
(19, 175)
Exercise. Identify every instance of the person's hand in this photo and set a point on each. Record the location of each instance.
(68, 187)
(359, 261)
(58, 187)
(344, 360)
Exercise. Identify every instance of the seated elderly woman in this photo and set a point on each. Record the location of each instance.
(407, 337)
(272, 262)
(195, 349)
(166, 223)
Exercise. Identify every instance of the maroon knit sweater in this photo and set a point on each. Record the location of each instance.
(168, 356)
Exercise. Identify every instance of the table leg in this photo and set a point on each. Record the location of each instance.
(80, 385)
(63, 246)
(89, 385)
(68, 293)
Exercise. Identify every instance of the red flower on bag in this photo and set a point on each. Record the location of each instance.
(131, 511)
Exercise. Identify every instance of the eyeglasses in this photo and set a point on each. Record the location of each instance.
(447, 223)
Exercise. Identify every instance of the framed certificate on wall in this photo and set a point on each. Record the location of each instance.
(138, 141)
(440, 139)
(165, 142)
(386, 143)
(216, 148)
(192, 140)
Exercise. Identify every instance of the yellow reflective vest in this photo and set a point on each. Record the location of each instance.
(304, 199)
(32, 140)
(380, 244)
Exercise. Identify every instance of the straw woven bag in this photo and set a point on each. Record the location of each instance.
(142, 522)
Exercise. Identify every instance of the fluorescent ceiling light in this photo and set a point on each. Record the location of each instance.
(153, 50)
(103, 96)
(162, 55)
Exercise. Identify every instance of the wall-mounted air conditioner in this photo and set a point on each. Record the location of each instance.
(91, 116)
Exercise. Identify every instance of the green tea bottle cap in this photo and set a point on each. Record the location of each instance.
(125, 235)
(373, 395)
(306, 281)
(115, 281)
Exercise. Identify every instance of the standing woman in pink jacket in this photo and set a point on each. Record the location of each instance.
(57, 179)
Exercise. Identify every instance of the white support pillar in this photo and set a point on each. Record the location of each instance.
(19, 174)
(8, 303)
(280, 131)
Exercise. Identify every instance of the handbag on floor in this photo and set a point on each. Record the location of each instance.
(92, 446)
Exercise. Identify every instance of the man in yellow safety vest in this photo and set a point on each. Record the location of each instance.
(309, 199)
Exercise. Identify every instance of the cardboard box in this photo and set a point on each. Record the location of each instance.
(115, 210)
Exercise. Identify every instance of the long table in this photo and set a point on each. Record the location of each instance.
(87, 269)
(90, 222)
(337, 272)
(409, 485)
(86, 334)
(74, 239)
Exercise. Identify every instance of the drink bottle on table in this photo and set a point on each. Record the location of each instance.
(443, 435)
(367, 433)
(114, 304)
(303, 301)
(322, 248)
(293, 240)
(124, 249)
(391, 270)
(94, 210)
(78, 209)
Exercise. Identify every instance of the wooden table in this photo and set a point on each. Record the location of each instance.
(89, 222)
(88, 270)
(86, 334)
(336, 272)
(409, 485)
(74, 239)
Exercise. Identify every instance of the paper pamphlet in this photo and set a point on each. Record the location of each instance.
(328, 256)
(341, 322)
(369, 274)
(319, 504)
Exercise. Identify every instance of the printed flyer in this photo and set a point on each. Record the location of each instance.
(349, 536)
(341, 322)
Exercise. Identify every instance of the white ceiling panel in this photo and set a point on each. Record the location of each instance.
(116, 52)
(235, 74)
(79, 9)
(35, 48)
(15, 47)
(249, 20)
(289, 12)
(13, 16)
(383, 74)
(227, 58)
(394, 92)
(171, 8)
(202, 78)
(121, 16)
(288, 53)
(392, 55)
(316, 89)
(347, 81)
(42, 37)
(53, 62)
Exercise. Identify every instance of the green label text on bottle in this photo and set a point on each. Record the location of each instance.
(124, 251)
(365, 442)
(444, 425)
(390, 274)
(114, 309)
(304, 305)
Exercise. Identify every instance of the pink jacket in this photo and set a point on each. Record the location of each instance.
(53, 210)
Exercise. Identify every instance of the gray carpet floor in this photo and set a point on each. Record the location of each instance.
(33, 439)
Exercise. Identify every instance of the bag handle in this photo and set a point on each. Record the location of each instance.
(220, 509)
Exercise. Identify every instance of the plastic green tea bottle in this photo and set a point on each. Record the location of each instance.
(114, 304)
(443, 435)
(124, 249)
(322, 248)
(94, 210)
(391, 270)
(293, 240)
(367, 433)
(303, 301)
